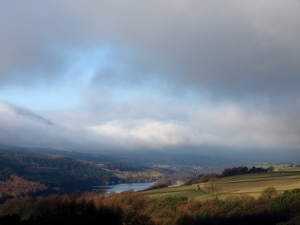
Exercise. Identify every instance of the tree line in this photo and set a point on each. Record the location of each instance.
(123, 167)
(203, 178)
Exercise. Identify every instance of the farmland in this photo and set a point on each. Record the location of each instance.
(247, 184)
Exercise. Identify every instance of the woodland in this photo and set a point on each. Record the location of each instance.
(41, 174)
(132, 208)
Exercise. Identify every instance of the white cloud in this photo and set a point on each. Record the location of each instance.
(227, 126)
(223, 126)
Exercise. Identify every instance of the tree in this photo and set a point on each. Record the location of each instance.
(268, 193)
(213, 187)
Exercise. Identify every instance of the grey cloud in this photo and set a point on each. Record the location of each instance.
(32, 116)
(206, 130)
(231, 48)
(21, 127)
(233, 52)
(101, 108)
(35, 42)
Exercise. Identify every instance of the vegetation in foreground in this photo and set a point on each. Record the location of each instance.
(131, 208)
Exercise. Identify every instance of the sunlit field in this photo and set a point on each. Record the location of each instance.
(250, 184)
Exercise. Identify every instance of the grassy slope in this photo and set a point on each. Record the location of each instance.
(251, 184)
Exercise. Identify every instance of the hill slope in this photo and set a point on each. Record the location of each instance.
(31, 173)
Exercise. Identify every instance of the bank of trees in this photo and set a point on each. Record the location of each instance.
(203, 178)
(130, 208)
(244, 170)
(24, 174)
(123, 167)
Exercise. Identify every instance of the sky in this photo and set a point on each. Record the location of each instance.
(208, 77)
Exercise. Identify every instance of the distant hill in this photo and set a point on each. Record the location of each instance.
(97, 158)
(149, 158)
(160, 158)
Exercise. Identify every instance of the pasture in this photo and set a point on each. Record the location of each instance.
(247, 184)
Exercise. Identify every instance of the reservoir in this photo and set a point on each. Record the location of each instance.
(125, 187)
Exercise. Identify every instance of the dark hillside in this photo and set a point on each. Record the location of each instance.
(48, 173)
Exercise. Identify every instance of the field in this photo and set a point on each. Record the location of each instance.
(250, 184)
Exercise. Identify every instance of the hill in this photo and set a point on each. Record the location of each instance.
(31, 173)
(246, 184)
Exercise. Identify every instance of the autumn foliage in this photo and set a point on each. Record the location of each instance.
(17, 187)
(131, 208)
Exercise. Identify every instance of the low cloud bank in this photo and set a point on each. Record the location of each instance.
(225, 128)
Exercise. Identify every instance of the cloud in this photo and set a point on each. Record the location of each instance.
(205, 130)
(154, 74)
(22, 127)
(32, 116)
(149, 134)
(230, 48)
(226, 126)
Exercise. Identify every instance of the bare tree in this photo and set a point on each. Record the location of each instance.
(268, 193)
(213, 187)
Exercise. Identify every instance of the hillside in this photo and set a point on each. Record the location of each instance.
(31, 173)
(25, 171)
(238, 185)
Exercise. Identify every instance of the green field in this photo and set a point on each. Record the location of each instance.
(250, 184)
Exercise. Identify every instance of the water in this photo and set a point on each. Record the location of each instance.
(125, 187)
